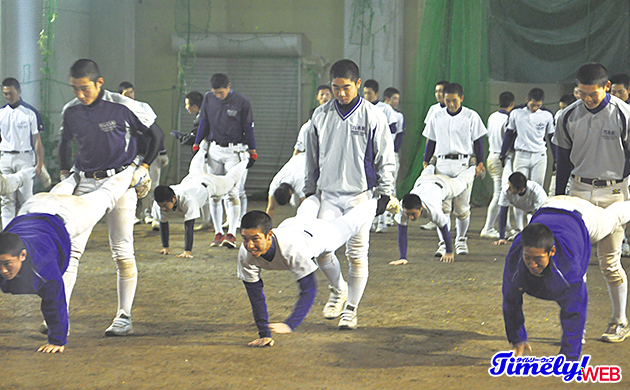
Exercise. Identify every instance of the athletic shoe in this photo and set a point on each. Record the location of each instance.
(381, 228)
(43, 328)
(121, 326)
(461, 247)
(335, 303)
(348, 320)
(229, 241)
(616, 332)
(625, 248)
(441, 250)
(155, 225)
(136, 221)
(225, 225)
(428, 226)
(203, 226)
(489, 233)
(218, 240)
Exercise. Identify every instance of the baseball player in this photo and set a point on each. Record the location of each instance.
(106, 127)
(439, 96)
(523, 194)
(192, 103)
(190, 197)
(21, 145)
(127, 89)
(391, 96)
(35, 248)
(496, 132)
(425, 200)
(592, 140)
(228, 125)
(324, 94)
(454, 135)
(349, 159)
(288, 184)
(620, 87)
(526, 130)
(370, 91)
(291, 246)
(549, 259)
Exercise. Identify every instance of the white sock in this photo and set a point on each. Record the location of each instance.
(243, 200)
(127, 276)
(356, 287)
(618, 299)
(462, 226)
(233, 213)
(329, 264)
(216, 211)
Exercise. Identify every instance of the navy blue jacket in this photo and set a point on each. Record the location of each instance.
(227, 121)
(563, 281)
(48, 252)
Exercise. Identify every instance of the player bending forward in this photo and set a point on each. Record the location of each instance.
(292, 246)
(548, 260)
(35, 248)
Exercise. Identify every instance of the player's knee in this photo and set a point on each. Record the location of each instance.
(463, 214)
(358, 268)
(325, 258)
(127, 268)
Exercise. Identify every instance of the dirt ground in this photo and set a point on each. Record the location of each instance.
(426, 325)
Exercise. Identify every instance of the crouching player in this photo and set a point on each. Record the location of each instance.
(548, 260)
(293, 246)
(35, 248)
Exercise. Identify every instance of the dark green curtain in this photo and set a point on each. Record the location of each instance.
(546, 41)
(453, 46)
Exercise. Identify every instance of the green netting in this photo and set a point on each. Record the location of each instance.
(452, 46)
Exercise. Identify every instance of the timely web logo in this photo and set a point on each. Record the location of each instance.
(504, 363)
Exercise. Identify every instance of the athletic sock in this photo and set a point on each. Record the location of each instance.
(356, 287)
(331, 268)
(618, 299)
(216, 211)
(462, 226)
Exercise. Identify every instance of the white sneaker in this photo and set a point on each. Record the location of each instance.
(381, 228)
(121, 326)
(348, 320)
(489, 233)
(441, 250)
(625, 248)
(428, 226)
(461, 247)
(155, 225)
(136, 221)
(336, 300)
(203, 226)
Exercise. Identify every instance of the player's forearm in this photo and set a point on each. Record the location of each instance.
(188, 234)
(563, 169)
(164, 234)
(202, 131)
(259, 307)
(156, 139)
(402, 241)
(513, 313)
(55, 311)
(448, 240)
(398, 141)
(39, 150)
(508, 142)
(478, 149)
(271, 206)
(429, 150)
(308, 290)
(248, 133)
(65, 155)
(502, 221)
(573, 308)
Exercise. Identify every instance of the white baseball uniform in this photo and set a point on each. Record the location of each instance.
(496, 132)
(291, 173)
(534, 197)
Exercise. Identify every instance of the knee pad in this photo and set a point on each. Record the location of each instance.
(127, 268)
(358, 267)
(463, 215)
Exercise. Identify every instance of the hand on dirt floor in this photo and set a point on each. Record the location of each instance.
(399, 262)
(280, 327)
(263, 342)
(448, 258)
(186, 255)
(500, 242)
(164, 251)
(51, 348)
(519, 348)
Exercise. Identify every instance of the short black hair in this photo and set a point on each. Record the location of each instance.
(536, 94)
(592, 73)
(11, 244)
(372, 84)
(622, 79)
(219, 80)
(537, 235)
(283, 193)
(454, 88)
(345, 69)
(518, 180)
(163, 193)
(322, 87)
(441, 82)
(411, 202)
(389, 92)
(195, 98)
(568, 98)
(11, 82)
(124, 85)
(85, 68)
(256, 220)
(505, 99)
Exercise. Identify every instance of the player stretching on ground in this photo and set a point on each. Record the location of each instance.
(35, 248)
(349, 159)
(291, 246)
(548, 260)
(287, 185)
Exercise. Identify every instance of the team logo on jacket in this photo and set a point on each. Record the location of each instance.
(609, 135)
(357, 130)
(107, 126)
(22, 125)
(232, 112)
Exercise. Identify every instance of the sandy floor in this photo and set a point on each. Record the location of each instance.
(427, 325)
